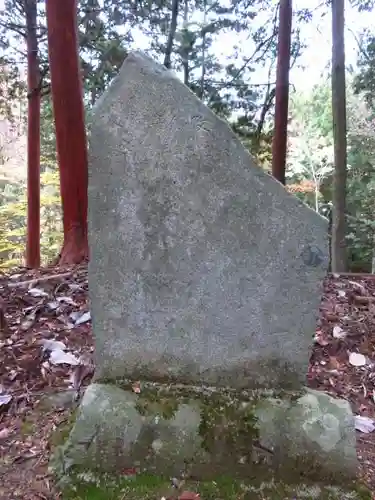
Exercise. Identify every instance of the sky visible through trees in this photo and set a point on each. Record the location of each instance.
(314, 59)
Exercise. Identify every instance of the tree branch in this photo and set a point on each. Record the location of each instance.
(268, 99)
(360, 46)
(258, 48)
(42, 89)
(17, 28)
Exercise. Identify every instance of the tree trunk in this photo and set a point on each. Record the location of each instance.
(185, 54)
(339, 256)
(316, 193)
(373, 256)
(268, 100)
(171, 35)
(203, 72)
(70, 126)
(185, 65)
(279, 145)
(33, 138)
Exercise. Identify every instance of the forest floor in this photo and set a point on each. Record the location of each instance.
(35, 310)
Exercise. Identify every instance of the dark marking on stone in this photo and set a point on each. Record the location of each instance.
(312, 256)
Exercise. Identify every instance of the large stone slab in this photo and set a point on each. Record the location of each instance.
(192, 431)
(202, 267)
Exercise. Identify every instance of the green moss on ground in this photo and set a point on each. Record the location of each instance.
(86, 487)
(27, 427)
(61, 433)
(150, 487)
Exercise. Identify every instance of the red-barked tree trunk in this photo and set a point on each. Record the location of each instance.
(33, 138)
(70, 126)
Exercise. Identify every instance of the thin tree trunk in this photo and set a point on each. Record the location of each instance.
(33, 138)
(171, 35)
(339, 255)
(279, 145)
(185, 65)
(316, 192)
(268, 99)
(267, 103)
(69, 124)
(185, 55)
(92, 97)
(203, 72)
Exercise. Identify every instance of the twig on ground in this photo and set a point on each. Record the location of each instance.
(40, 279)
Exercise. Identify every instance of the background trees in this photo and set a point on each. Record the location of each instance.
(226, 53)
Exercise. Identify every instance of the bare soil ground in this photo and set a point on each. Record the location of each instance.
(52, 304)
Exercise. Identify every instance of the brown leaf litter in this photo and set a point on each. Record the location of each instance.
(46, 349)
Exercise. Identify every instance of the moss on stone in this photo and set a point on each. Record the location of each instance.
(226, 416)
(151, 404)
(236, 427)
(222, 413)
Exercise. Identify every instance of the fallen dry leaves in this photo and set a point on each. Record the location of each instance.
(188, 495)
(46, 349)
(343, 357)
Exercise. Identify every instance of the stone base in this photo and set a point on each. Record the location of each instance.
(204, 434)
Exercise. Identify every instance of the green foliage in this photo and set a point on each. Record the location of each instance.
(12, 235)
(259, 144)
(51, 217)
(102, 47)
(310, 155)
(365, 81)
(13, 223)
(364, 5)
(12, 89)
(48, 158)
(311, 159)
(361, 181)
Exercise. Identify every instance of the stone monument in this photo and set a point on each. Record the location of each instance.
(205, 280)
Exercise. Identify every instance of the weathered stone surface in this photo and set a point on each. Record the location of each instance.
(316, 429)
(112, 433)
(202, 267)
(167, 431)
